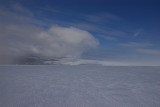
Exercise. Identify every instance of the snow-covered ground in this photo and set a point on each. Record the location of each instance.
(79, 86)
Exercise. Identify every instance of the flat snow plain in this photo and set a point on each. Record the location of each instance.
(79, 86)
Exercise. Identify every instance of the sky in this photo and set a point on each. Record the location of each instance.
(114, 32)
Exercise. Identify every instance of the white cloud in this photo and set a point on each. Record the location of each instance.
(19, 37)
(101, 17)
(22, 10)
(151, 62)
(108, 38)
(49, 9)
(104, 63)
(148, 51)
(55, 42)
(65, 42)
(135, 44)
(112, 63)
(137, 33)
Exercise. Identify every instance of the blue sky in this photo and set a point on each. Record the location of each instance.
(123, 30)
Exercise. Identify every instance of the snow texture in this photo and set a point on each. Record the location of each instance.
(79, 86)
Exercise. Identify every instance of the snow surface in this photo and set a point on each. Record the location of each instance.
(79, 86)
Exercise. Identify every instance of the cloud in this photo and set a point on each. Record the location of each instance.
(20, 37)
(49, 9)
(66, 42)
(108, 38)
(112, 63)
(99, 62)
(20, 9)
(135, 44)
(102, 17)
(55, 42)
(148, 51)
(102, 30)
(138, 33)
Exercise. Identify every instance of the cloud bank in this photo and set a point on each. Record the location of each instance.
(19, 37)
(111, 63)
